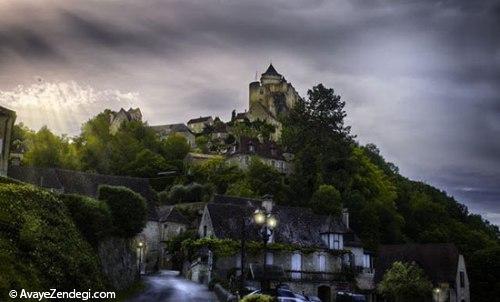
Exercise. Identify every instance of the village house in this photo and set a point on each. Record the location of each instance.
(269, 152)
(321, 252)
(441, 262)
(116, 119)
(197, 125)
(181, 129)
(7, 118)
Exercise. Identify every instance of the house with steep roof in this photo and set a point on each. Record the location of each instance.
(116, 119)
(198, 124)
(7, 118)
(441, 262)
(165, 130)
(317, 254)
(269, 152)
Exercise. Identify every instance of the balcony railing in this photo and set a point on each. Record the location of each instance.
(315, 276)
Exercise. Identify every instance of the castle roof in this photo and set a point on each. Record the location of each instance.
(271, 71)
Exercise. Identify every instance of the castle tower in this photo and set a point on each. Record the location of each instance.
(271, 98)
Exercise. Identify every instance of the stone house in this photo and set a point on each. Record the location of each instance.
(7, 118)
(322, 250)
(268, 152)
(171, 223)
(165, 130)
(441, 262)
(116, 119)
(197, 125)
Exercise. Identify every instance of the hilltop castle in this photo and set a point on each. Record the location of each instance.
(271, 98)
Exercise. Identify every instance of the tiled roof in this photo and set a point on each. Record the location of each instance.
(171, 214)
(171, 128)
(296, 225)
(84, 183)
(199, 119)
(438, 260)
(267, 149)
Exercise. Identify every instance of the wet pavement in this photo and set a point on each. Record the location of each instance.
(168, 286)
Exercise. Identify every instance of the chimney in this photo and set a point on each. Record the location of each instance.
(267, 202)
(345, 217)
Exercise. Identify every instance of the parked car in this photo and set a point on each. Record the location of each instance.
(349, 297)
(313, 299)
(282, 294)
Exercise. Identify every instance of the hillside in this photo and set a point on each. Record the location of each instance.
(40, 247)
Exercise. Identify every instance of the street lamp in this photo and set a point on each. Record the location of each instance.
(140, 245)
(268, 223)
(437, 290)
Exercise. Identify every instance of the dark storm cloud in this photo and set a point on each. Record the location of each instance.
(421, 78)
(25, 42)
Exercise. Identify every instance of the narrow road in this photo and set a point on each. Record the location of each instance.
(168, 286)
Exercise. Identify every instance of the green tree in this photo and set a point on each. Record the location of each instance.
(148, 164)
(45, 149)
(264, 179)
(216, 172)
(327, 200)
(405, 282)
(241, 189)
(175, 147)
(128, 210)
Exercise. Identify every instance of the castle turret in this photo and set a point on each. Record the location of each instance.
(254, 93)
(271, 76)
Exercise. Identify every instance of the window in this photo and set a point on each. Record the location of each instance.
(333, 241)
(367, 261)
(269, 258)
(204, 231)
(251, 147)
(296, 265)
(321, 263)
(462, 279)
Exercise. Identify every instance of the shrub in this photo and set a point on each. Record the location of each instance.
(258, 298)
(40, 247)
(92, 217)
(128, 210)
(194, 192)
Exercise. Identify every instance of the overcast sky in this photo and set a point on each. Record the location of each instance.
(421, 78)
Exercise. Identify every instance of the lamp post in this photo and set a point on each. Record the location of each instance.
(268, 223)
(437, 290)
(140, 245)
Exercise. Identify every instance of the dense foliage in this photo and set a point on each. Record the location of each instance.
(405, 282)
(128, 210)
(92, 217)
(40, 247)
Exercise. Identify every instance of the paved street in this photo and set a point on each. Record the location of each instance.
(168, 286)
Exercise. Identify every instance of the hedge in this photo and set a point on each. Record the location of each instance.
(40, 247)
(92, 217)
(128, 210)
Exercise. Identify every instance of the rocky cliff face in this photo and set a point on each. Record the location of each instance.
(119, 262)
